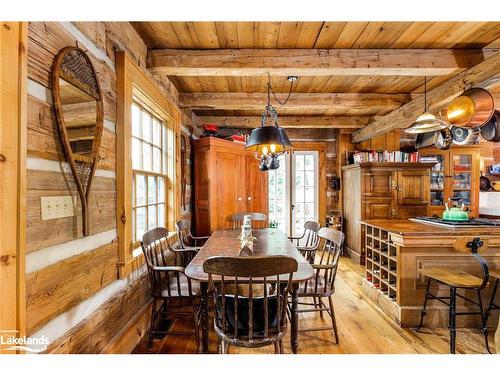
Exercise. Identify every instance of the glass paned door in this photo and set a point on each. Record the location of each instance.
(278, 196)
(438, 182)
(304, 195)
(462, 177)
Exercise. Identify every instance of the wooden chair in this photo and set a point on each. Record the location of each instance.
(237, 219)
(457, 279)
(310, 240)
(187, 242)
(255, 318)
(322, 284)
(492, 305)
(168, 284)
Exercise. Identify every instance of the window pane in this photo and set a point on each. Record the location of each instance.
(136, 120)
(299, 162)
(157, 132)
(146, 157)
(141, 189)
(156, 160)
(299, 194)
(146, 126)
(141, 222)
(161, 215)
(151, 189)
(151, 217)
(309, 194)
(309, 162)
(309, 178)
(161, 189)
(299, 178)
(136, 154)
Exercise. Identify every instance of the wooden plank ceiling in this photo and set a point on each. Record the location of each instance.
(215, 90)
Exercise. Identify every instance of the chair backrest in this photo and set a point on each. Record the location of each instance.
(474, 245)
(183, 227)
(311, 229)
(260, 313)
(238, 218)
(327, 259)
(156, 248)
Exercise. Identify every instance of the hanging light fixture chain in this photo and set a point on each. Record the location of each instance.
(270, 88)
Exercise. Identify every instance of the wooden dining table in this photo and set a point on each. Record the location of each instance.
(268, 242)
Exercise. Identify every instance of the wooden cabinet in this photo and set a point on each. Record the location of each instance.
(456, 174)
(227, 180)
(382, 191)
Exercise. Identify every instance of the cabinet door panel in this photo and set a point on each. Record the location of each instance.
(378, 184)
(256, 189)
(229, 194)
(378, 209)
(413, 188)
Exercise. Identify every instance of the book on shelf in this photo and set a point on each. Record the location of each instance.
(385, 156)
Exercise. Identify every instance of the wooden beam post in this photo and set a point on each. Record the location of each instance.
(312, 62)
(486, 75)
(368, 102)
(334, 122)
(13, 129)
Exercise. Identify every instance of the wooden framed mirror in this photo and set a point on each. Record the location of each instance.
(79, 112)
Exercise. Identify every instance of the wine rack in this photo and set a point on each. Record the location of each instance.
(381, 261)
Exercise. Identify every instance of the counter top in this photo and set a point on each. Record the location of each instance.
(410, 228)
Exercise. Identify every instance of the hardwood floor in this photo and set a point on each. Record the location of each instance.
(363, 329)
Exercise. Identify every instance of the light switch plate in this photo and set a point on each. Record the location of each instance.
(57, 206)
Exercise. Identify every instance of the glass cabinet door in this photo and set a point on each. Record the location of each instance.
(462, 178)
(438, 182)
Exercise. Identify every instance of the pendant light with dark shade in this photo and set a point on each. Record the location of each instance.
(270, 141)
(426, 122)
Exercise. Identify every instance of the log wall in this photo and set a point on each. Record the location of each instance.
(73, 295)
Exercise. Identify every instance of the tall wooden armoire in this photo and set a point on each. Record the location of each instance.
(386, 191)
(227, 180)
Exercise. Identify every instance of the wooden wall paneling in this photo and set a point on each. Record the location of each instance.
(388, 141)
(45, 41)
(101, 326)
(131, 334)
(44, 233)
(13, 75)
(61, 286)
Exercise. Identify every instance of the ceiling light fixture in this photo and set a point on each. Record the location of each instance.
(270, 141)
(426, 122)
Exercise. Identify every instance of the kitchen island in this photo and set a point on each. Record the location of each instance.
(396, 251)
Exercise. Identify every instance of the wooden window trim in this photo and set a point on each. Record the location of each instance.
(133, 81)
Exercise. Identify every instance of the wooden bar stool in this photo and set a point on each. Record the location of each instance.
(492, 306)
(457, 279)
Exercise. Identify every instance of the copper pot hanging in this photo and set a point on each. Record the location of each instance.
(471, 109)
(491, 130)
